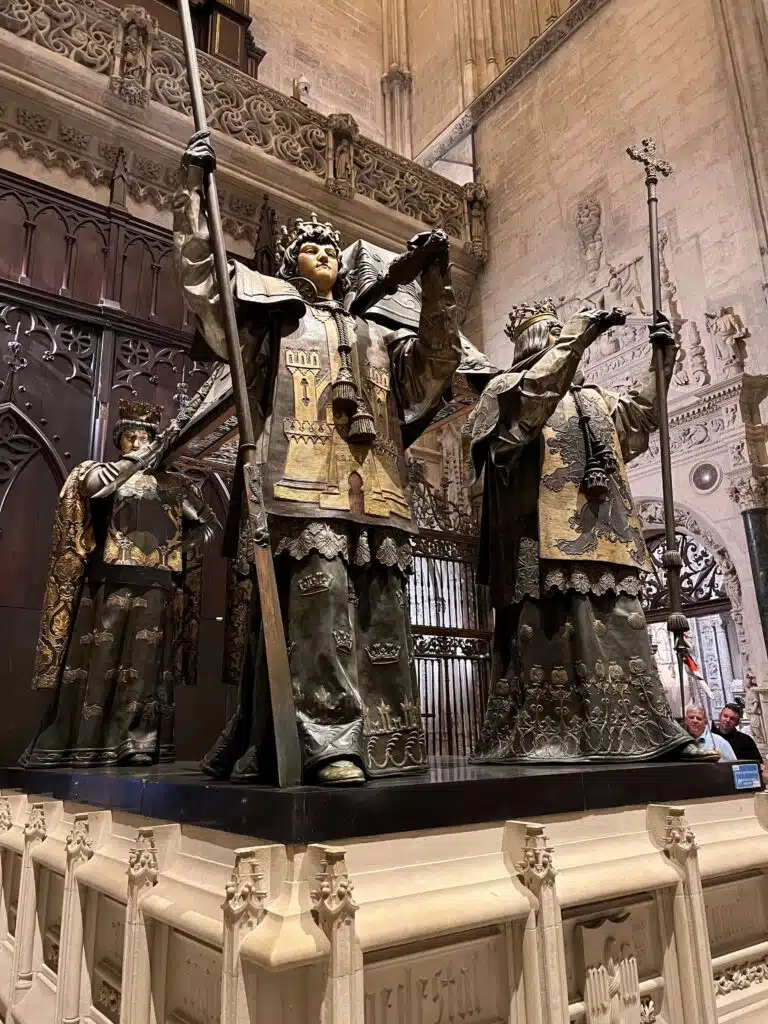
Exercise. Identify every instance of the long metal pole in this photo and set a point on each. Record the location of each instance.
(281, 692)
(677, 623)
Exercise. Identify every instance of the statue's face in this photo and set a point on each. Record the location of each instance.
(134, 440)
(319, 263)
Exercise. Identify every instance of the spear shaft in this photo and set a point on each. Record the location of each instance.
(260, 555)
(677, 623)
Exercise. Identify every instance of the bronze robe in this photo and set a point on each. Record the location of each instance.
(339, 513)
(119, 622)
(573, 676)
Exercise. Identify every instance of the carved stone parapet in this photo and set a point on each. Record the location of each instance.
(131, 77)
(476, 200)
(748, 491)
(95, 36)
(342, 133)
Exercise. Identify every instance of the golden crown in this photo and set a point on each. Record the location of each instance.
(527, 313)
(140, 412)
(300, 228)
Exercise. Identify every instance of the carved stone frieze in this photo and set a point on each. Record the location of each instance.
(741, 976)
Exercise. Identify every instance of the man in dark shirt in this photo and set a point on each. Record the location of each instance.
(744, 747)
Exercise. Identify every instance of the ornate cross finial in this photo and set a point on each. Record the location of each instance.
(645, 154)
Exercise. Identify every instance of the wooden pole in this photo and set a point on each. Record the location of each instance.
(281, 692)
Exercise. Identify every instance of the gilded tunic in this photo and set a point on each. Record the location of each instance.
(119, 622)
(338, 511)
(573, 675)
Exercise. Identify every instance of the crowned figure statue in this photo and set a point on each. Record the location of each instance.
(573, 676)
(122, 605)
(335, 398)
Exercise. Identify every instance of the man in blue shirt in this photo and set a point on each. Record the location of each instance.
(696, 724)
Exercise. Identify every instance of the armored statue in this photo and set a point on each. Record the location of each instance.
(335, 398)
(573, 678)
(122, 605)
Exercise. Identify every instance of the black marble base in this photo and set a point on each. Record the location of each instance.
(452, 794)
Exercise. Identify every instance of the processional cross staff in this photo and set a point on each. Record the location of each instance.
(260, 555)
(677, 623)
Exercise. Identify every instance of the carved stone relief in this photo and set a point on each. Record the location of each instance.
(465, 982)
(611, 980)
(588, 217)
(476, 199)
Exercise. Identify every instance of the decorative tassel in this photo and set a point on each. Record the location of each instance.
(362, 429)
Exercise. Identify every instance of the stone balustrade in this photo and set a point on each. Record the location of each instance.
(111, 917)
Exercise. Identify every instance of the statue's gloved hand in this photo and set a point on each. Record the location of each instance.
(661, 332)
(604, 319)
(199, 153)
(106, 477)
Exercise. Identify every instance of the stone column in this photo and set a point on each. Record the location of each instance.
(537, 873)
(79, 851)
(335, 909)
(243, 910)
(750, 493)
(670, 832)
(397, 88)
(35, 832)
(136, 984)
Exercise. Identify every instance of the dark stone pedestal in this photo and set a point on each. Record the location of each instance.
(453, 794)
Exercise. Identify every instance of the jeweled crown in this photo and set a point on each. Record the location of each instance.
(140, 412)
(305, 229)
(527, 313)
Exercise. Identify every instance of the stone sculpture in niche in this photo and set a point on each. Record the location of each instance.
(120, 615)
(728, 335)
(562, 549)
(132, 71)
(588, 218)
(346, 395)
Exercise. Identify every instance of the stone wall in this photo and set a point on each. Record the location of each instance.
(336, 46)
(559, 138)
(433, 45)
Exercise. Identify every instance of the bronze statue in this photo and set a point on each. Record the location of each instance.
(122, 605)
(334, 402)
(574, 677)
